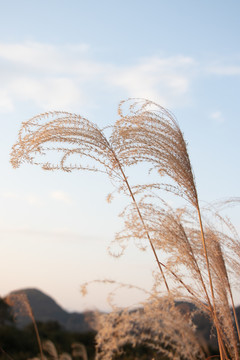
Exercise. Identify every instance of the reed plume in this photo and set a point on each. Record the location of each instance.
(71, 135)
(21, 303)
(50, 349)
(79, 351)
(147, 133)
(159, 325)
(152, 134)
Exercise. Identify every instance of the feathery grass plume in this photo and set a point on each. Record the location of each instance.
(66, 135)
(71, 136)
(79, 351)
(170, 235)
(50, 349)
(112, 294)
(5, 353)
(65, 356)
(176, 233)
(150, 134)
(227, 244)
(221, 290)
(159, 325)
(21, 303)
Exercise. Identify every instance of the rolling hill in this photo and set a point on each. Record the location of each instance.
(46, 309)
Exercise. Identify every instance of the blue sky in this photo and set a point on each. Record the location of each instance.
(84, 57)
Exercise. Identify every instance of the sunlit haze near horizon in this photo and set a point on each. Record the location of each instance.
(85, 57)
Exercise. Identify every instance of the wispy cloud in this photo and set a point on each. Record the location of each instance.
(61, 233)
(67, 77)
(217, 116)
(59, 77)
(9, 195)
(6, 102)
(46, 57)
(227, 70)
(49, 76)
(37, 200)
(46, 93)
(167, 79)
(32, 199)
(61, 196)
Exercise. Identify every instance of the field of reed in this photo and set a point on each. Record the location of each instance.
(196, 248)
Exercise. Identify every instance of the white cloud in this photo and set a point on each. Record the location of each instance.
(225, 70)
(37, 200)
(32, 199)
(64, 234)
(50, 93)
(44, 57)
(217, 116)
(164, 79)
(10, 195)
(64, 78)
(6, 104)
(51, 77)
(61, 196)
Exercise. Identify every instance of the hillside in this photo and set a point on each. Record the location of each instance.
(46, 309)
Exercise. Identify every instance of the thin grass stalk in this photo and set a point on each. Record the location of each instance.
(169, 154)
(222, 348)
(228, 286)
(234, 314)
(228, 282)
(35, 329)
(208, 307)
(220, 351)
(184, 285)
(206, 256)
(38, 338)
(5, 353)
(171, 157)
(142, 221)
(20, 300)
(232, 302)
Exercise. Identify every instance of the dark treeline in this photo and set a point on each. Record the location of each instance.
(21, 344)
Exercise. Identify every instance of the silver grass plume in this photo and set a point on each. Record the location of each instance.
(159, 325)
(21, 303)
(64, 136)
(148, 133)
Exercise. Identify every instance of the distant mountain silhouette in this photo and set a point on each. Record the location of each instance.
(203, 324)
(46, 309)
